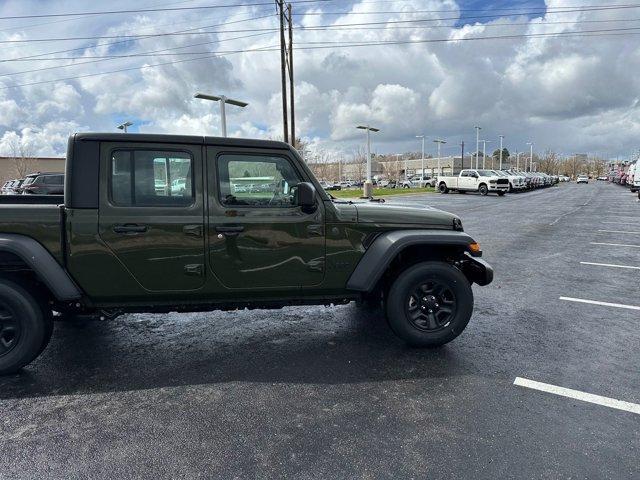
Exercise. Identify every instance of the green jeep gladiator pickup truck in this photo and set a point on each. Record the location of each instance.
(159, 223)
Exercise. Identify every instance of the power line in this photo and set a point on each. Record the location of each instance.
(388, 22)
(35, 56)
(606, 32)
(149, 10)
(152, 53)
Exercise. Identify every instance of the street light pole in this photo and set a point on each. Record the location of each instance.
(501, 138)
(530, 157)
(368, 184)
(223, 112)
(422, 172)
(484, 152)
(477, 143)
(123, 126)
(439, 142)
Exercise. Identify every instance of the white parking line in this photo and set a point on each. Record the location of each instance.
(615, 244)
(609, 265)
(603, 304)
(578, 395)
(618, 231)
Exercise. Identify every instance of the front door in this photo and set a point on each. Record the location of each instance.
(258, 237)
(152, 215)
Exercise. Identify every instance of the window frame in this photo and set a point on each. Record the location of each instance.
(286, 158)
(132, 151)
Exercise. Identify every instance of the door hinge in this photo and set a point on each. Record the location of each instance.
(193, 230)
(195, 270)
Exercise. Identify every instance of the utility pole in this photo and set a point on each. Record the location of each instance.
(290, 64)
(517, 161)
(462, 156)
(283, 71)
(439, 142)
(530, 157)
(477, 143)
(501, 138)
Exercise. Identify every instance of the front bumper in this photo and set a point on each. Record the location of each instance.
(477, 270)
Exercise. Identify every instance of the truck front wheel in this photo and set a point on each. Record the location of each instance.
(25, 328)
(429, 304)
(483, 189)
(442, 188)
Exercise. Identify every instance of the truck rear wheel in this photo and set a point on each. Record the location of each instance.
(25, 328)
(429, 304)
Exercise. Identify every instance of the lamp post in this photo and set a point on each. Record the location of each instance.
(422, 172)
(477, 143)
(530, 156)
(484, 152)
(368, 185)
(501, 138)
(223, 111)
(439, 142)
(124, 126)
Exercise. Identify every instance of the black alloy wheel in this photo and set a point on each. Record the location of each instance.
(431, 306)
(10, 329)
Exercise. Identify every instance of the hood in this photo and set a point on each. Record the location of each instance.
(385, 214)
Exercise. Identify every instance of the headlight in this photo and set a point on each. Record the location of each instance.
(493, 181)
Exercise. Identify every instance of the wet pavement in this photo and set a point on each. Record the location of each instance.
(315, 392)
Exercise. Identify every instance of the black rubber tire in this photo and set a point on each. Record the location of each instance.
(405, 283)
(483, 189)
(501, 194)
(36, 327)
(442, 188)
(510, 187)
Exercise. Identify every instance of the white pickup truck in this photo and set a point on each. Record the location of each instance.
(482, 181)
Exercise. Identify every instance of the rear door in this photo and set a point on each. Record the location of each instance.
(152, 213)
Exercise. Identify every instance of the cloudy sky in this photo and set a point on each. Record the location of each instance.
(424, 73)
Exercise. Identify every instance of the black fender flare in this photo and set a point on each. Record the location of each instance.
(388, 245)
(46, 268)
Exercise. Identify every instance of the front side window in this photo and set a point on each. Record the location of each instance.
(150, 178)
(257, 181)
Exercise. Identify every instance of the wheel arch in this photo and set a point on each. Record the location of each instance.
(23, 251)
(391, 251)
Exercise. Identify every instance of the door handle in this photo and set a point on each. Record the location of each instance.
(130, 228)
(230, 231)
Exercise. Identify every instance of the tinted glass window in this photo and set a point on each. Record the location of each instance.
(52, 179)
(259, 181)
(149, 178)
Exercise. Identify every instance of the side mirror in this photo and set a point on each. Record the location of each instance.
(306, 193)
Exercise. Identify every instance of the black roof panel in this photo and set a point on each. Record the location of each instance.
(184, 139)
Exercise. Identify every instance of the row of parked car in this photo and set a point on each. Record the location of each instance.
(626, 176)
(509, 180)
(38, 183)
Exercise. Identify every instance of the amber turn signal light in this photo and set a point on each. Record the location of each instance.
(474, 247)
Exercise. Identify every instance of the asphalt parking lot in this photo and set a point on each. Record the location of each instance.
(311, 392)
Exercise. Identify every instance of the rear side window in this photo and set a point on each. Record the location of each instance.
(52, 179)
(151, 178)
